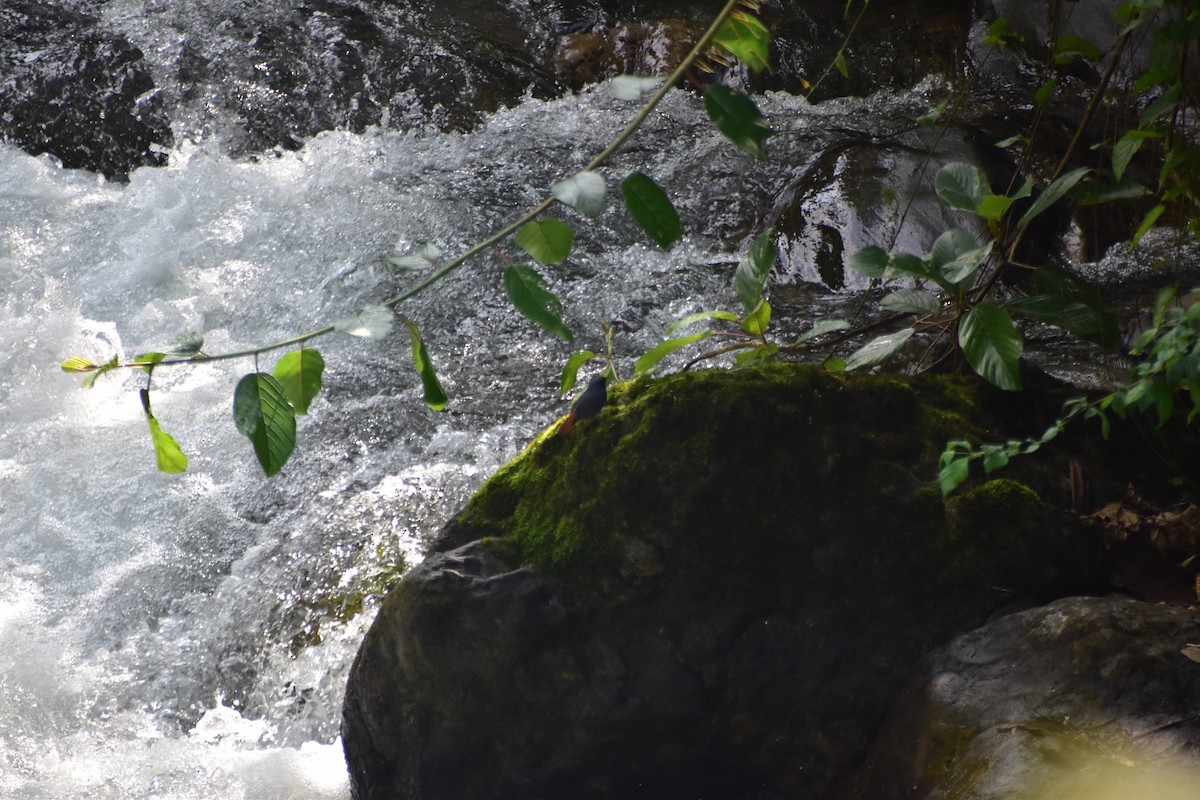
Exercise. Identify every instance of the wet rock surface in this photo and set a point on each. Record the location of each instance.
(1085, 697)
(665, 606)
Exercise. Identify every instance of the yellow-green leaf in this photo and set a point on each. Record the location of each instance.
(299, 373)
(167, 452)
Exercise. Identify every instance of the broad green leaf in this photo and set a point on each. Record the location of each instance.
(871, 261)
(993, 207)
(262, 413)
(423, 258)
(757, 321)
(908, 265)
(752, 271)
(1071, 314)
(633, 87)
(951, 245)
(746, 38)
(1165, 103)
(953, 474)
(1057, 188)
(992, 345)
(757, 353)
(571, 369)
(435, 395)
(664, 349)
(533, 298)
(547, 241)
(961, 186)
(583, 191)
(878, 350)
(148, 360)
(679, 324)
(299, 373)
(822, 327)
(961, 270)
(1147, 223)
(650, 207)
(912, 301)
(373, 322)
(167, 452)
(1125, 149)
(1000, 32)
(737, 118)
(995, 456)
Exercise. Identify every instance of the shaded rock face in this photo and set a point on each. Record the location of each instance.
(77, 93)
(716, 587)
(1085, 697)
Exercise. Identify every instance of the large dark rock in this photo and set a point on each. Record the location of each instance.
(1085, 697)
(718, 586)
(77, 93)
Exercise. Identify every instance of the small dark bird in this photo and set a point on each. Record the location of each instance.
(588, 404)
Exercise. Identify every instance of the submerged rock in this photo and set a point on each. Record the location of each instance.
(1085, 697)
(715, 587)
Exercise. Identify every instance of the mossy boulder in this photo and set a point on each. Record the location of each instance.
(715, 587)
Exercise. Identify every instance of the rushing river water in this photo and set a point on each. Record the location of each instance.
(189, 636)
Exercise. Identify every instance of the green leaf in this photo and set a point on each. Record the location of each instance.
(435, 395)
(583, 191)
(571, 369)
(753, 270)
(78, 364)
(262, 413)
(878, 350)
(533, 298)
(953, 474)
(995, 456)
(1069, 47)
(1045, 92)
(992, 345)
(746, 38)
(547, 241)
(737, 118)
(1081, 318)
(373, 322)
(1166, 102)
(993, 207)
(1057, 188)
(1147, 223)
(167, 452)
(1125, 149)
(871, 261)
(911, 266)
(679, 324)
(299, 373)
(664, 349)
(822, 327)
(185, 345)
(912, 301)
(961, 186)
(929, 118)
(757, 321)
(839, 61)
(650, 207)
(148, 360)
(633, 87)
(962, 269)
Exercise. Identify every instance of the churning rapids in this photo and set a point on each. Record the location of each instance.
(188, 636)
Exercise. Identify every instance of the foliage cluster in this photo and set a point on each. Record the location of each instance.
(949, 295)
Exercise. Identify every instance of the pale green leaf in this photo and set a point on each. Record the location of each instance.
(992, 345)
(650, 207)
(822, 327)
(633, 87)
(912, 301)
(423, 258)
(167, 452)
(262, 413)
(299, 373)
(960, 270)
(547, 241)
(583, 191)
(878, 350)
(1147, 223)
(373, 322)
(533, 298)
